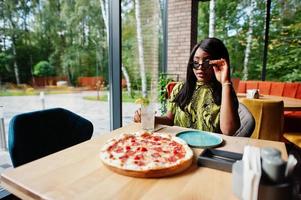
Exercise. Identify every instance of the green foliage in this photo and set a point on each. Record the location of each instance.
(283, 63)
(6, 72)
(162, 93)
(285, 41)
(129, 44)
(5, 61)
(72, 36)
(43, 68)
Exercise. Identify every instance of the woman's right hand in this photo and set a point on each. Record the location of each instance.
(137, 116)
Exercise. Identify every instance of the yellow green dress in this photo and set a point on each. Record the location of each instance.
(201, 113)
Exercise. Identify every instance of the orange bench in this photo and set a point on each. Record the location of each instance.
(292, 120)
(286, 89)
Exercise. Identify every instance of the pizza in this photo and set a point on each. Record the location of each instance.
(143, 154)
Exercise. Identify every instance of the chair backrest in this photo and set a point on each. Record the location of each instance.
(264, 87)
(290, 89)
(251, 85)
(268, 116)
(235, 83)
(298, 93)
(169, 88)
(247, 122)
(241, 87)
(277, 88)
(36, 134)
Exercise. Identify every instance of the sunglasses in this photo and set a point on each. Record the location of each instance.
(205, 64)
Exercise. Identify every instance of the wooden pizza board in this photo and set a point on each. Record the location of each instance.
(156, 173)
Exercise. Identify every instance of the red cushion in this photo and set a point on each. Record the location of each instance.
(264, 87)
(292, 121)
(252, 85)
(277, 88)
(235, 83)
(241, 87)
(298, 93)
(290, 89)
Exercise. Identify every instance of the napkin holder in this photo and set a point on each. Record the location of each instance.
(252, 94)
(218, 159)
(267, 190)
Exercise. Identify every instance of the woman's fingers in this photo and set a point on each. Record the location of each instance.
(221, 70)
(137, 116)
(219, 64)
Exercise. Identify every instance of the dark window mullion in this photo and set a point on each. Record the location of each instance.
(115, 64)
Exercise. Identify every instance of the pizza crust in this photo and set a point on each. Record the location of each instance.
(153, 173)
(151, 169)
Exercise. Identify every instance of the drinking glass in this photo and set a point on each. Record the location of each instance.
(148, 117)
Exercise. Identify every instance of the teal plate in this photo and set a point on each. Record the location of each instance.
(200, 139)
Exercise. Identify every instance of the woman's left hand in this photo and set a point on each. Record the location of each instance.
(221, 70)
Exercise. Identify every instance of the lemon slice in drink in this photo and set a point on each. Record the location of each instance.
(142, 101)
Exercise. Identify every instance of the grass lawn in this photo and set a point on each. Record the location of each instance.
(35, 92)
(104, 97)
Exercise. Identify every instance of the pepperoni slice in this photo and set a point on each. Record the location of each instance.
(112, 147)
(159, 149)
(173, 143)
(146, 135)
(123, 158)
(179, 154)
(130, 153)
(135, 144)
(156, 155)
(139, 163)
(172, 159)
(119, 150)
(138, 157)
(156, 138)
(143, 149)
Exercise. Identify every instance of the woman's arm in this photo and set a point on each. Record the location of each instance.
(166, 120)
(229, 119)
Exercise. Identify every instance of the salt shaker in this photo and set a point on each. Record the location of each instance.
(272, 164)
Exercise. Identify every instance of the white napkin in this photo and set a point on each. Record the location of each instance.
(291, 163)
(251, 172)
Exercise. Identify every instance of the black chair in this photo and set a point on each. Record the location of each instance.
(36, 134)
(247, 122)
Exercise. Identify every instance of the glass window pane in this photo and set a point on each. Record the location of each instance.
(240, 25)
(285, 39)
(55, 54)
(141, 44)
